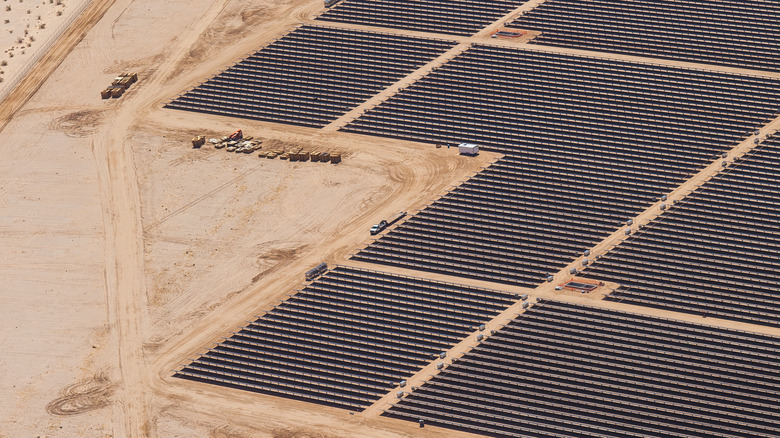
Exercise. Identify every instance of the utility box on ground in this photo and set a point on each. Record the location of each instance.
(468, 149)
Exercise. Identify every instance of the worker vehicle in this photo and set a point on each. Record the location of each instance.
(378, 228)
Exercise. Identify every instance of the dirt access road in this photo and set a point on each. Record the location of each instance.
(179, 245)
(129, 252)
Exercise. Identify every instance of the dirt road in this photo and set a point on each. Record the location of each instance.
(162, 202)
(124, 241)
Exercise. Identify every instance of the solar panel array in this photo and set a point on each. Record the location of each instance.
(519, 220)
(591, 143)
(455, 17)
(740, 34)
(348, 338)
(565, 370)
(716, 252)
(311, 76)
(513, 100)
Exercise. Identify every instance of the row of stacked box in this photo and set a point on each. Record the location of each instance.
(119, 85)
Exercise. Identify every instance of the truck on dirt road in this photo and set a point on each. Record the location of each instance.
(378, 228)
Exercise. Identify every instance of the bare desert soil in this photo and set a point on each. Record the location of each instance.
(26, 26)
(125, 252)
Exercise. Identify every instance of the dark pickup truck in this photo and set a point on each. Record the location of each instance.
(378, 228)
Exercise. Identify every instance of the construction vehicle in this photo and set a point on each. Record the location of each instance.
(378, 228)
(238, 135)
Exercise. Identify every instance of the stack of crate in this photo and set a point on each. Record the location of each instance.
(119, 85)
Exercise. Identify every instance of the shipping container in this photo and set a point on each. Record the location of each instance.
(468, 149)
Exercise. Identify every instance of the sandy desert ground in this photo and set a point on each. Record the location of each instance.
(27, 27)
(119, 239)
(125, 252)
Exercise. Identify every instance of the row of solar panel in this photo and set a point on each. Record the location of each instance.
(311, 76)
(717, 252)
(348, 338)
(741, 34)
(590, 143)
(351, 336)
(565, 370)
(445, 16)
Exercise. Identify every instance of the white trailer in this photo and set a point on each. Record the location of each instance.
(468, 149)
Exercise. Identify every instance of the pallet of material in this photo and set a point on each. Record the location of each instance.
(198, 141)
(119, 85)
(116, 91)
(125, 80)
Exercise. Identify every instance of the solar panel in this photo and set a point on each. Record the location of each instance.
(568, 370)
